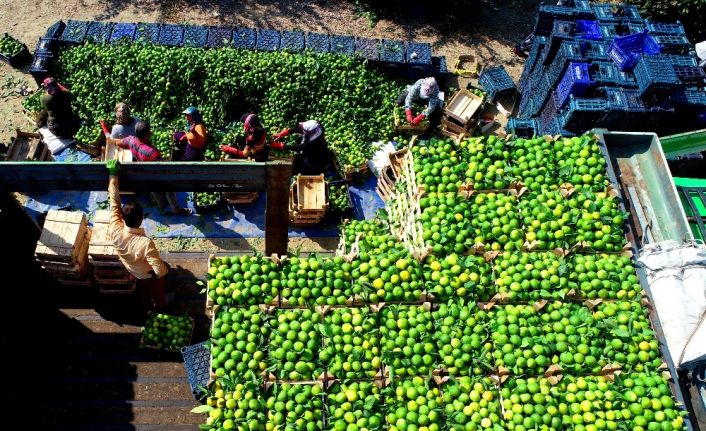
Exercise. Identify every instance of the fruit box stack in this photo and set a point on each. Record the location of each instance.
(108, 271)
(307, 200)
(62, 249)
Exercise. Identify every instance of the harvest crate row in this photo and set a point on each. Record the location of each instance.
(407, 57)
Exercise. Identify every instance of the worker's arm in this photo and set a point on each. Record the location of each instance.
(116, 212)
(412, 94)
(197, 136)
(434, 103)
(155, 260)
(235, 152)
(122, 143)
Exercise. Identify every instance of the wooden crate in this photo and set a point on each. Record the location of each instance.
(463, 106)
(401, 125)
(308, 194)
(236, 198)
(77, 270)
(28, 147)
(386, 183)
(63, 237)
(112, 151)
(100, 247)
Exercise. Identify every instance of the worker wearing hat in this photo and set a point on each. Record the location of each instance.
(192, 143)
(59, 117)
(425, 90)
(313, 156)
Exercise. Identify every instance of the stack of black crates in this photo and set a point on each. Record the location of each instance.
(602, 65)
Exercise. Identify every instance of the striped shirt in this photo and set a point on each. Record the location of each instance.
(141, 151)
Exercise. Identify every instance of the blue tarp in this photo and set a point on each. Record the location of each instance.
(246, 221)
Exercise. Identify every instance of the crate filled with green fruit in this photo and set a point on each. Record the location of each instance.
(339, 199)
(401, 123)
(12, 51)
(163, 331)
(206, 202)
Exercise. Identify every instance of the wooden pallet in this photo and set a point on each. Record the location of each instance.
(63, 237)
(28, 147)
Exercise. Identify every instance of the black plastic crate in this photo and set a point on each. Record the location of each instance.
(690, 74)
(54, 31)
(268, 40)
(197, 363)
(659, 112)
(219, 37)
(195, 36)
(99, 32)
(522, 128)
(606, 73)
(147, 32)
(439, 67)
(582, 114)
(624, 108)
(171, 35)
(595, 50)
(342, 44)
(393, 51)
(547, 14)
(672, 43)
(45, 46)
(17, 58)
(692, 97)
(368, 49)
(612, 12)
(245, 38)
(418, 53)
(75, 31)
(39, 69)
(292, 41)
(654, 74)
(123, 31)
(318, 42)
(665, 28)
(496, 82)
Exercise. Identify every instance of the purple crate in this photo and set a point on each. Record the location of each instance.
(245, 38)
(418, 53)
(549, 110)
(625, 51)
(368, 49)
(576, 81)
(318, 42)
(123, 31)
(342, 44)
(268, 40)
(219, 37)
(588, 30)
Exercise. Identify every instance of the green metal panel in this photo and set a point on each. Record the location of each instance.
(684, 143)
(692, 193)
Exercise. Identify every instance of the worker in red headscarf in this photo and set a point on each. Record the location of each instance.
(59, 117)
(254, 145)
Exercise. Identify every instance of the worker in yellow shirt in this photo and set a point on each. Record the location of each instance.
(135, 249)
(191, 144)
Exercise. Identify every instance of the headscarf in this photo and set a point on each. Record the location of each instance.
(312, 129)
(52, 86)
(429, 88)
(195, 115)
(122, 114)
(251, 123)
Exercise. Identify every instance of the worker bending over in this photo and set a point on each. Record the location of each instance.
(313, 155)
(255, 143)
(425, 90)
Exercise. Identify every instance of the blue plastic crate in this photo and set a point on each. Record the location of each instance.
(219, 37)
(582, 7)
(268, 40)
(582, 114)
(606, 73)
(123, 31)
(588, 29)
(690, 74)
(197, 363)
(39, 69)
(368, 49)
(625, 108)
(654, 74)
(418, 53)
(195, 36)
(171, 35)
(342, 44)
(563, 29)
(496, 82)
(245, 38)
(54, 31)
(393, 51)
(576, 81)
(318, 42)
(439, 66)
(147, 32)
(522, 128)
(612, 12)
(625, 51)
(665, 28)
(673, 43)
(595, 50)
(681, 60)
(99, 32)
(547, 14)
(292, 41)
(75, 31)
(692, 97)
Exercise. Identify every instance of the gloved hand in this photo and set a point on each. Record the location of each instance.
(418, 119)
(408, 111)
(278, 146)
(113, 166)
(106, 132)
(282, 134)
(234, 151)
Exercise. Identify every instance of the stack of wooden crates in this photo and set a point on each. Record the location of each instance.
(108, 271)
(62, 249)
(390, 174)
(307, 200)
(461, 114)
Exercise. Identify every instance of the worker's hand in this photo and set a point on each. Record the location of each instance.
(408, 111)
(105, 129)
(418, 119)
(230, 150)
(281, 134)
(278, 145)
(113, 166)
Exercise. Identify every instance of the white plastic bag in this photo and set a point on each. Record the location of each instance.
(381, 158)
(676, 274)
(54, 143)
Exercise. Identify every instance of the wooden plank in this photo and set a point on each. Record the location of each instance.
(155, 176)
(277, 208)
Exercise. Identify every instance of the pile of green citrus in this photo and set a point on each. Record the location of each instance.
(167, 332)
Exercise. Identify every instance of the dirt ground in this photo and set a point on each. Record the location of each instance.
(486, 28)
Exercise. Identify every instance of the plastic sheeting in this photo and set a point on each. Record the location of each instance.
(676, 274)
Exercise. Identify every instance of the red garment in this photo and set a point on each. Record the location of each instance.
(140, 150)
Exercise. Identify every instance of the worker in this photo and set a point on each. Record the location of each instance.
(143, 151)
(255, 143)
(192, 143)
(58, 115)
(427, 91)
(313, 155)
(124, 122)
(135, 250)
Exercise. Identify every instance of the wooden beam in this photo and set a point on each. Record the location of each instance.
(279, 175)
(153, 176)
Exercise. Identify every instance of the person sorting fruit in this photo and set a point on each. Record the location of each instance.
(59, 117)
(313, 155)
(143, 151)
(135, 250)
(191, 144)
(254, 145)
(425, 90)
(125, 123)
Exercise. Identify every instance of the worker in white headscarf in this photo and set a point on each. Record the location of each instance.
(425, 90)
(313, 155)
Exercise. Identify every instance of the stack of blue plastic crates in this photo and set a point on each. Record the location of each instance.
(599, 65)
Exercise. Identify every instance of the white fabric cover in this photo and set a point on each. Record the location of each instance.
(54, 143)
